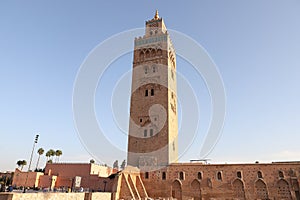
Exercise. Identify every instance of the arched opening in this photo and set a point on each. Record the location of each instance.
(196, 192)
(239, 174)
(159, 52)
(146, 69)
(261, 191)
(199, 175)
(219, 176)
(181, 175)
(147, 53)
(176, 190)
(164, 176)
(283, 191)
(142, 55)
(259, 174)
(280, 174)
(154, 68)
(146, 175)
(152, 53)
(238, 189)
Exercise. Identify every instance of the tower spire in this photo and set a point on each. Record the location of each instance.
(156, 16)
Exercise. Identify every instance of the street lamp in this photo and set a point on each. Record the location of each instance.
(35, 141)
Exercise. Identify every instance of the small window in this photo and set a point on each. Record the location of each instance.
(239, 174)
(199, 175)
(154, 68)
(280, 174)
(146, 175)
(152, 92)
(181, 175)
(151, 132)
(259, 174)
(146, 70)
(141, 120)
(164, 176)
(146, 93)
(145, 133)
(219, 176)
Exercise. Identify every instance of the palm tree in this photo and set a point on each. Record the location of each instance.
(40, 151)
(52, 153)
(57, 154)
(48, 155)
(21, 163)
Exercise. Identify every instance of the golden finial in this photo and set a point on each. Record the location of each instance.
(156, 17)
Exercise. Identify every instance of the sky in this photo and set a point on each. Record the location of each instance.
(254, 44)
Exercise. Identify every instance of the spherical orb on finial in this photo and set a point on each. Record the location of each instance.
(156, 15)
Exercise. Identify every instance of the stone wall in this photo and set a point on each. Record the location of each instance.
(225, 181)
(55, 196)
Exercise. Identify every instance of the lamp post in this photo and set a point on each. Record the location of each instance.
(35, 141)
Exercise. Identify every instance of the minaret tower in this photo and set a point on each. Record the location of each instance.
(153, 127)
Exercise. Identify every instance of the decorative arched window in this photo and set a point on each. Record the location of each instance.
(181, 175)
(219, 176)
(142, 55)
(152, 92)
(151, 132)
(259, 174)
(199, 175)
(147, 53)
(239, 174)
(159, 52)
(146, 69)
(153, 68)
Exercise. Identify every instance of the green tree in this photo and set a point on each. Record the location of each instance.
(40, 151)
(52, 153)
(58, 153)
(21, 163)
(48, 155)
(24, 162)
(116, 164)
(123, 164)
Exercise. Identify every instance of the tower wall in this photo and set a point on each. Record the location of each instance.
(152, 139)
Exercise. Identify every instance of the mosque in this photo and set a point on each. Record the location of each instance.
(153, 169)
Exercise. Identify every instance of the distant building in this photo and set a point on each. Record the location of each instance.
(63, 175)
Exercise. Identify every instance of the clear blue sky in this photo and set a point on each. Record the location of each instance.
(255, 45)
